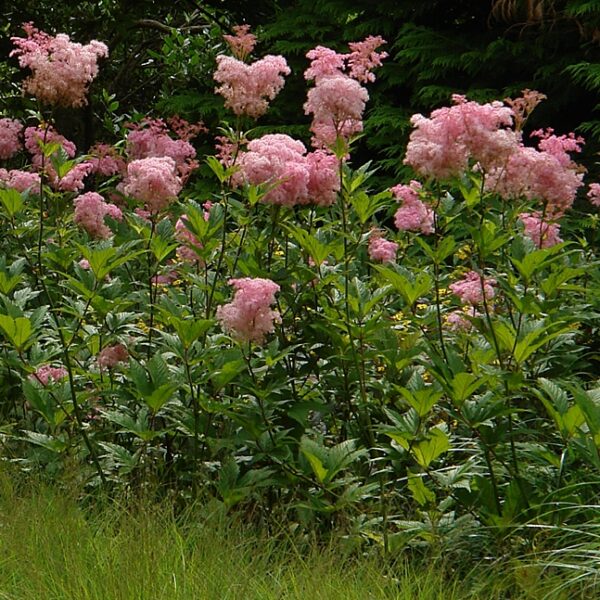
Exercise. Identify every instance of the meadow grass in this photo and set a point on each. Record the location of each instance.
(54, 547)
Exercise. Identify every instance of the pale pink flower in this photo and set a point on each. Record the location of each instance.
(73, 179)
(153, 181)
(249, 317)
(242, 43)
(544, 234)
(473, 288)
(248, 89)
(279, 160)
(324, 62)
(20, 180)
(295, 176)
(61, 70)
(110, 356)
(413, 214)
(36, 137)
(151, 138)
(382, 250)
(446, 144)
(594, 194)
(106, 161)
(364, 58)
(337, 103)
(10, 142)
(90, 210)
(537, 175)
(47, 374)
(458, 320)
(324, 178)
(84, 263)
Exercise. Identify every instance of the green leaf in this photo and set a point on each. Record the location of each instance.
(160, 396)
(428, 450)
(421, 493)
(12, 201)
(18, 330)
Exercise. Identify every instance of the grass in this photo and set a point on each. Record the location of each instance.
(52, 548)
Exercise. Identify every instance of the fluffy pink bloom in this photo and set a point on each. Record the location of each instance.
(73, 179)
(382, 250)
(473, 288)
(337, 103)
(242, 43)
(110, 356)
(324, 62)
(90, 210)
(84, 263)
(413, 214)
(537, 175)
(36, 137)
(458, 320)
(443, 145)
(543, 233)
(20, 180)
(248, 89)
(151, 138)
(153, 181)
(594, 194)
(249, 317)
(364, 58)
(296, 177)
(61, 70)
(47, 374)
(10, 143)
(558, 145)
(106, 161)
(324, 178)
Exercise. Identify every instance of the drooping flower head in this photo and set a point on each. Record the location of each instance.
(249, 317)
(61, 70)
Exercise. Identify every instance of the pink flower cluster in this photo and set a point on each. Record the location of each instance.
(443, 145)
(414, 214)
(10, 142)
(20, 180)
(248, 89)
(594, 194)
(105, 160)
(249, 317)
(458, 320)
(151, 138)
(61, 70)
(547, 175)
(47, 374)
(297, 177)
(473, 288)
(544, 234)
(337, 101)
(36, 137)
(153, 181)
(242, 43)
(90, 210)
(380, 249)
(110, 356)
